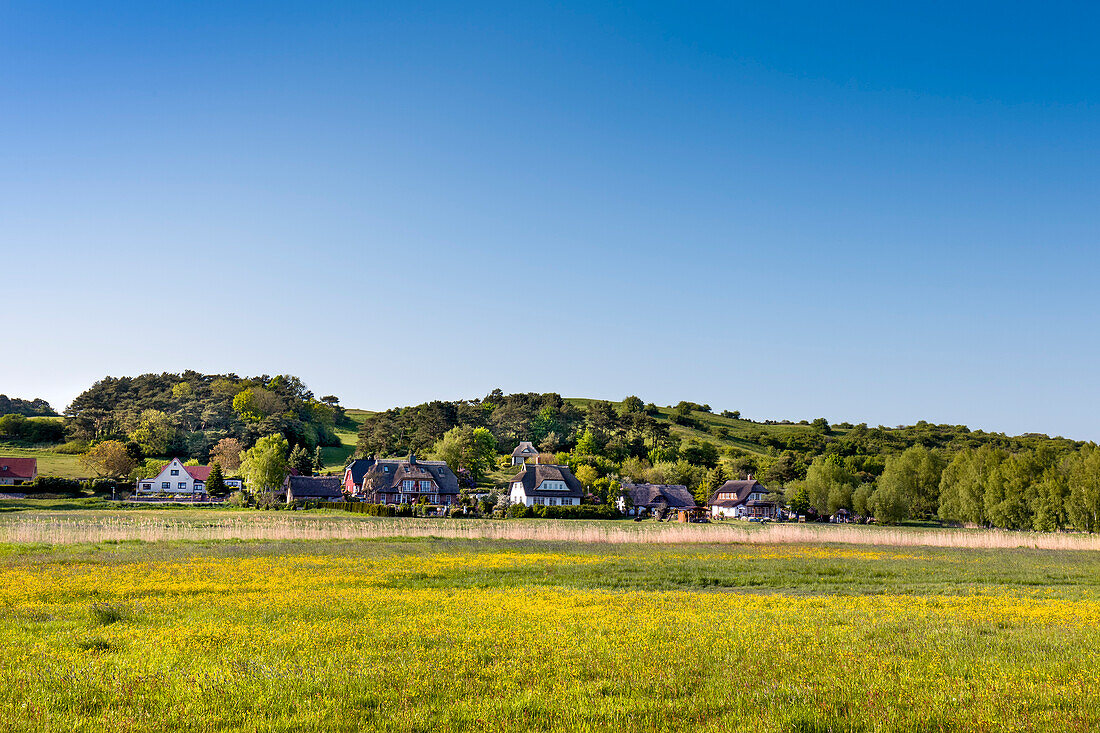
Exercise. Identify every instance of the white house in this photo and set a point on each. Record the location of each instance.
(524, 452)
(545, 485)
(741, 500)
(176, 478)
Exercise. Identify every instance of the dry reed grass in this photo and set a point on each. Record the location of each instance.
(69, 530)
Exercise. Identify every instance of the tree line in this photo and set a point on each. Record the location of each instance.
(197, 416)
(1039, 488)
(37, 407)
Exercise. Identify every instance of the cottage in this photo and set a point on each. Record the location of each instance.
(542, 484)
(523, 452)
(16, 471)
(401, 481)
(741, 500)
(313, 488)
(657, 499)
(176, 478)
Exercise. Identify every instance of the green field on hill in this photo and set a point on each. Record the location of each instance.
(336, 457)
(50, 463)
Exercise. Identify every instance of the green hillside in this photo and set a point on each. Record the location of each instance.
(336, 457)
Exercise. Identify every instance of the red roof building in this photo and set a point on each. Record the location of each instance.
(15, 471)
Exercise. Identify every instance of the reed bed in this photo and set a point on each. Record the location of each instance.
(61, 530)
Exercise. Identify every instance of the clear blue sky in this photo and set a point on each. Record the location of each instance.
(791, 209)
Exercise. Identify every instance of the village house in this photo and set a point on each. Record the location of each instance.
(524, 451)
(401, 481)
(541, 484)
(313, 488)
(16, 471)
(176, 478)
(741, 500)
(656, 499)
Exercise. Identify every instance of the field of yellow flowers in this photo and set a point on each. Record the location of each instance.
(427, 635)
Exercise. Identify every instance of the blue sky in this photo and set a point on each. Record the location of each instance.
(790, 209)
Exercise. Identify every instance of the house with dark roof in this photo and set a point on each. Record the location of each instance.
(313, 488)
(401, 481)
(523, 452)
(176, 478)
(654, 498)
(741, 500)
(16, 471)
(541, 484)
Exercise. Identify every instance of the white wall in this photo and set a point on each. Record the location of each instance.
(182, 477)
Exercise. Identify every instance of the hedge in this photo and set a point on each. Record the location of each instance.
(581, 511)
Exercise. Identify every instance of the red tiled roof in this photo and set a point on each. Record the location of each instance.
(199, 473)
(21, 468)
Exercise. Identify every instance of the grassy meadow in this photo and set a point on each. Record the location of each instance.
(424, 634)
(336, 457)
(50, 463)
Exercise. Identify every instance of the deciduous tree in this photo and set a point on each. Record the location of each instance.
(264, 466)
(108, 459)
(227, 453)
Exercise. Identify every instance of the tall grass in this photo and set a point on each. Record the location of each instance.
(65, 530)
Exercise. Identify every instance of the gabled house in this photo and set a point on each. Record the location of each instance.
(540, 484)
(401, 481)
(16, 471)
(176, 478)
(313, 488)
(524, 451)
(741, 500)
(655, 498)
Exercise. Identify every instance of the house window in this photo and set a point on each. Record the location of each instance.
(425, 485)
(408, 485)
(147, 487)
(175, 472)
(165, 485)
(182, 485)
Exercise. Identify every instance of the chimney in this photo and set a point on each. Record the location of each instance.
(412, 459)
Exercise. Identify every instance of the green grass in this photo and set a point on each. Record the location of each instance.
(336, 457)
(441, 635)
(49, 462)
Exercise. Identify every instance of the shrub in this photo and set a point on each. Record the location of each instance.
(100, 486)
(52, 485)
(582, 511)
(238, 499)
(105, 614)
(519, 511)
(361, 507)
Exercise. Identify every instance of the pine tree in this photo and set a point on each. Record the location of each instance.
(301, 461)
(318, 461)
(215, 482)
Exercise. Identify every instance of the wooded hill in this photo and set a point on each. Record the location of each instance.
(187, 414)
(922, 471)
(775, 451)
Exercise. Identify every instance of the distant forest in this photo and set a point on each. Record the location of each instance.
(28, 408)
